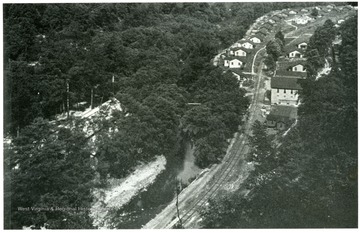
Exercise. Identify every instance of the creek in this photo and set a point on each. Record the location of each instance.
(151, 201)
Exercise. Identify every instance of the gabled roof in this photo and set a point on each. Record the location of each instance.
(242, 59)
(290, 74)
(239, 71)
(241, 48)
(289, 49)
(277, 17)
(295, 63)
(306, 42)
(282, 113)
(285, 83)
(258, 35)
(244, 41)
(262, 32)
(286, 64)
(267, 25)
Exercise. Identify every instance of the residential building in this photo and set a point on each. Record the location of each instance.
(256, 39)
(247, 45)
(234, 62)
(302, 45)
(284, 91)
(297, 68)
(281, 117)
(240, 52)
(271, 21)
(295, 53)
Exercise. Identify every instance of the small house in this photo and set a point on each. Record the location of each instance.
(262, 33)
(247, 45)
(277, 18)
(302, 45)
(266, 27)
(239, 52)
(281, 117)
(256, 39)
(292, 12)
(297, 68)
(295, 53)
(233, 62)
(301, 20)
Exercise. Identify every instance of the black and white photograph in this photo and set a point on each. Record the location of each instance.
(179, 115)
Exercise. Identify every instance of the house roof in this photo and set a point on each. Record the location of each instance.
(285, 64)
(267, 26)
(289, 49)
(285, 83)
(242, 59)
(258, 35)
(290, 74)
(262, 32)
(306, 42)
(241, 48)
(247, 40)
(239, 71)
(276, 17)
(282, 113)
(284, 14)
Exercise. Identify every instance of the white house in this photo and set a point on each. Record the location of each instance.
(295, 53)
(247, 45)
(255, 39)
(340, 21)
(304, 10)
(284, 91)
(271, 21)
(302, 45)
(233, 63)
(301, 20)
(298, 68)
(292, 12)
(240, 53)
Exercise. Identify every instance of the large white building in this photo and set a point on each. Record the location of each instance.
(284, 91)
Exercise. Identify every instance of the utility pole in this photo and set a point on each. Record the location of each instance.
(92, 97)
(67, 98)
(112, 84)
(178, 189)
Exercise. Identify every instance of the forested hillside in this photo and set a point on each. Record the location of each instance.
(309, 177)
(154, 58)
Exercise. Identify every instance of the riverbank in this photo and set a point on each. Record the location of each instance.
(120, 191)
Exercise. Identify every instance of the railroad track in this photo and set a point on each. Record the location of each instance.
(235, 155)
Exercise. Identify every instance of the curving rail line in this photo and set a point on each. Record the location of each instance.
(230, 162)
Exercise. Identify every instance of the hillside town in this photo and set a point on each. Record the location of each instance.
(283, 83)
(181, 115)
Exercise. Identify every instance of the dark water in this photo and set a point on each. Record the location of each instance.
(148, 203)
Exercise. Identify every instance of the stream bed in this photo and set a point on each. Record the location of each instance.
(151, 201)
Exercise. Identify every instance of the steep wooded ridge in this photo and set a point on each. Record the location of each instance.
(309, 177)
(154, 58)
